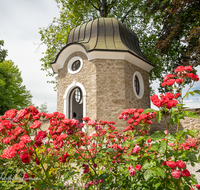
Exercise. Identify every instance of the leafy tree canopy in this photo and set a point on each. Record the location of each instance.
(151, 20)
(3, 52)
(12, 93)
(180, 29)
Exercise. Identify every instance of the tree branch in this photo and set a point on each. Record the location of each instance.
(131, 9)
(126, 14)
(94, 5)
(110, 6)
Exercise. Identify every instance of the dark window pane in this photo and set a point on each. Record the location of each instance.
(137, 85)
(76, 65)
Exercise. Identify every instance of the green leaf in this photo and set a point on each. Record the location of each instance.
(187, 94)
(148, 174)
(158, 135)
(154, 147)
(104, 176)
(160, 172)
(148, 110)
(194, 180)
(171, 137)
(109, 150)
(193, 132)
(192, 93)
(186, 187)
(191, 156)
(138, 139)
(98, 155)
(197, 91)
(148, 165)
(162, 147)
(172, 120)
(134, 158)
(182, 133)
(43, 185)
(191, 114)
(158, 115)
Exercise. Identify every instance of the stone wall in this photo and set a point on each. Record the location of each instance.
(131, 100)
(87, 77)
(115, 89)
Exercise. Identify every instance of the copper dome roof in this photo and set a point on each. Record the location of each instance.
(106, 34)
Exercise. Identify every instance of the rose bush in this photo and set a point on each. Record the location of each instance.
(68, 157)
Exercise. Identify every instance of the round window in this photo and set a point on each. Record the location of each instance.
(76, 65)
(78, 95)
(138, 85)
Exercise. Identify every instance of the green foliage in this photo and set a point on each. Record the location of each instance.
(178, 37)
(12, 93)
(3, 52)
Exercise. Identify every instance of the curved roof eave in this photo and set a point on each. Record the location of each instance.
(55, 64)
(94, 54)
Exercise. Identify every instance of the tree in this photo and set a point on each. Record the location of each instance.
(180, 29)
(42, 108)
(12, 93)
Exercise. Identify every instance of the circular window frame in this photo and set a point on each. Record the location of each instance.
(141, 85)
(70, 63)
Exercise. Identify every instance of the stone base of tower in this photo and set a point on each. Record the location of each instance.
(109, 88)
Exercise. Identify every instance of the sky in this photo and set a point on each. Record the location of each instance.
(20, 21)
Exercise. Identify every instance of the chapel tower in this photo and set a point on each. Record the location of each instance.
(101, 72)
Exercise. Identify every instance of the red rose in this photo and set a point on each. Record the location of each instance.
(170, 82)
(179, 81)
(138, 167)
(186, 173)
(136, 149)
(132, 172)
(41, 134)
(10, 114)
(180, 164)
(22, 113)
(10, 152)
(171, 164)
(176, 174)
(188, 68)
(197, 186)
(95, 165)
(179, 69)
(164, 84)
(35, 125)
(86, 170)
(25, 139)
(24, 157)
(86, 119)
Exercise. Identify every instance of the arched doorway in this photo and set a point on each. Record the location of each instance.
(68, 97)
(76, 104)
